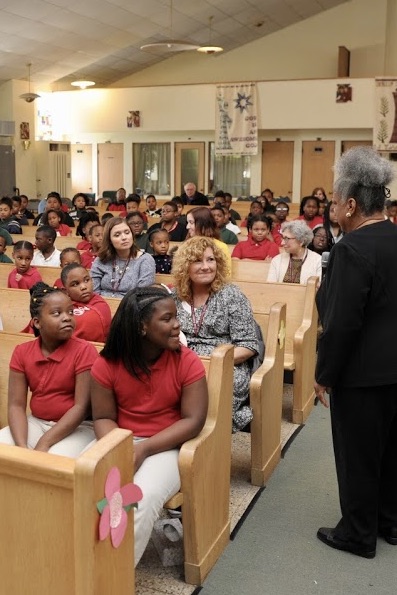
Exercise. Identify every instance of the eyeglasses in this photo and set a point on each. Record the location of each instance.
(282, 209)
(287, 239)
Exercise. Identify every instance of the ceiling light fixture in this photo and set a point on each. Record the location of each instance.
(83, 84)
(171, 44)
(210, 48)
(29, 97)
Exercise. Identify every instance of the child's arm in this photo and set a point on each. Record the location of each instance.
(17, 400)
(72, 418)
(104, 409)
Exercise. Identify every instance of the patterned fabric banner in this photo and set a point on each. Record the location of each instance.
(385, 124)
(236, 122)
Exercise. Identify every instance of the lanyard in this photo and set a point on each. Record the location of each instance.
(197, 325)
(116, 282)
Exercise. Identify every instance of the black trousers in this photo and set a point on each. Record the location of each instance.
(364, 430)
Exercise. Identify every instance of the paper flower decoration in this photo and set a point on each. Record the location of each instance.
(114, 507)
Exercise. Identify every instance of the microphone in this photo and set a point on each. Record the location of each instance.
(324, 260)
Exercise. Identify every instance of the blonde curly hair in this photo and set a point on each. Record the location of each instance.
(191, 251)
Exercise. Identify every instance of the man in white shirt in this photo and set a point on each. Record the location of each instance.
(46, 254)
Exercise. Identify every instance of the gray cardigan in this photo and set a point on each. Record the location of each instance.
(139, 273)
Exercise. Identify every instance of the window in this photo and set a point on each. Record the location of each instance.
(152, 168)
(230, 173)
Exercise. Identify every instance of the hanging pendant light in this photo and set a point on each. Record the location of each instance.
(210, 48)
(83, 84)
(171, 44)
(29, 97)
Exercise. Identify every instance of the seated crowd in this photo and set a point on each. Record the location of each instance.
(143, 354)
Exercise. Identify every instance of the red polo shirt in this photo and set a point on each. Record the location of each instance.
(255, 250)
(152, 403)
(92, 319)
(52, 379)
(27, 280)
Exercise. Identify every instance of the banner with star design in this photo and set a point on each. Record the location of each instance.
(236, 120)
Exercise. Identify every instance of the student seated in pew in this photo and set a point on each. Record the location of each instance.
(16, 211)
(95, 237)
(119, 205)
(160, 242)
(54, 219)
(86, 221)
(56, 368)
(227, 236)
(256, 208)
(309, 212)
(67, 256)
(234, 215)
(7, 220)
(144, 358)
(259, 244)
(23, 210)
(24, 276)
(180, 205)
(133, 203)
(92, 313)
(46, 255)
(169, 222)
(105, 217)
(3, 248)
(54, 201)
(297, 263)
(80, 202)
(212, 311)
(281, 212)
(151, 206)
(136, 221)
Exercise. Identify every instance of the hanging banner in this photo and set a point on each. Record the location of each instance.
(385, 124)
(236, 122)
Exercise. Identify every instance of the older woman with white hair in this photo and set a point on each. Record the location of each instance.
(297, 263)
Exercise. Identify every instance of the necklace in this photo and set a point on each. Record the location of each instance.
(121, 272)
(366, 221)
(197, 325)
(294, 272)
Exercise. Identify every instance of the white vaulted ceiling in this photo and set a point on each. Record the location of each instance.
(66, 40)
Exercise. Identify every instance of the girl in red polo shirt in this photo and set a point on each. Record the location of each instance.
(260, 244)
(55, 367)
(54, 219)
(24, 276)
(91, 311)
(145, 381)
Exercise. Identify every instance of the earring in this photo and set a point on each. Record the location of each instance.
(348, 214)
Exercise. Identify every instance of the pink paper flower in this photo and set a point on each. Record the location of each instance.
(113, 507)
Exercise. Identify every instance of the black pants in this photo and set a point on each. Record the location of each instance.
(364, 430)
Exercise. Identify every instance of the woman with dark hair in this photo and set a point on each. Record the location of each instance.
(309, 211)
(201, 222)
(213, 311)
(120, 264)
(80, 202)
(147, 382)
(356, 360)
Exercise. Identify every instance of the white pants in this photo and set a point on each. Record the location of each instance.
(158, 478)
(71, 446)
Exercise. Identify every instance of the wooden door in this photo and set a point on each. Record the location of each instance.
(110, 166)
(318, 158)
(277, 167)
(189, 166)
(81, 156)
(348, 144)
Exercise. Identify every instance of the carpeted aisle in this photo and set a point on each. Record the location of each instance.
(276, 551)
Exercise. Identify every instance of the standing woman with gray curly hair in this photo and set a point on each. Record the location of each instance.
(356, 361)
(297, 263)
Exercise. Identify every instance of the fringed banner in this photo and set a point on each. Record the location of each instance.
(385, 124)
(236, 122)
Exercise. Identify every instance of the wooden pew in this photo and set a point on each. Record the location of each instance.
(49, 522)
(204, 462)
(61, 242)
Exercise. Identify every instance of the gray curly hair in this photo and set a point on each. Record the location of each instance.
(362, 174)
(300, 230)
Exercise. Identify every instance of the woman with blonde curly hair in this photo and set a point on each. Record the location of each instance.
(213, 311)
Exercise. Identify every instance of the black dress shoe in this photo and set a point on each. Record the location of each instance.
(389, 535)
(327, 536)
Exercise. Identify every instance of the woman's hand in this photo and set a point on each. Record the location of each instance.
(320, 393)
(241, 354)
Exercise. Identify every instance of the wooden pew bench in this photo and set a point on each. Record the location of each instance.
(49, 521)
(204, 464)
(61, 242)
